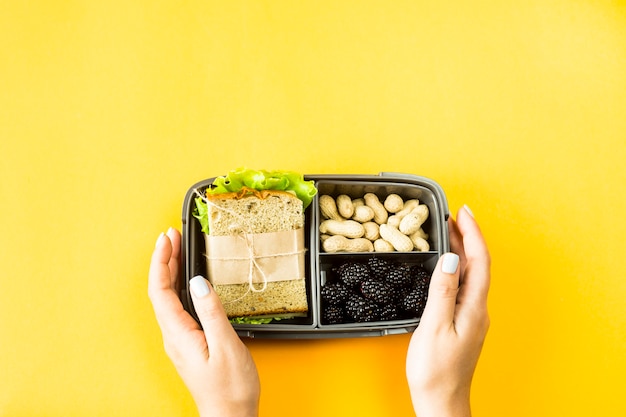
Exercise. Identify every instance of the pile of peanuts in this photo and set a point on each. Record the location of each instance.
(369, 225)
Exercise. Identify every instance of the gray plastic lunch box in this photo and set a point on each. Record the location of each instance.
(319, 264)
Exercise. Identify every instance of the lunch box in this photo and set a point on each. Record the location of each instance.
(319, 265)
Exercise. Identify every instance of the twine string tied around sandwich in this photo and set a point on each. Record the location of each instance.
(253, 264)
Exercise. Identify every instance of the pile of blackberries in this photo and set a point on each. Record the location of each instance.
(376, 290)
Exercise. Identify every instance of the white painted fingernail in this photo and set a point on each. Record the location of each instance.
(198, 286)
(468, 210)
(159, 239)
(450, 263)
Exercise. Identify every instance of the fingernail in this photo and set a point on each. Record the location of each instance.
(198, 286)
(159, 239)
(468, 210)
(450, 263)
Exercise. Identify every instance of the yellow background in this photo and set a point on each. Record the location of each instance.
(111, 110)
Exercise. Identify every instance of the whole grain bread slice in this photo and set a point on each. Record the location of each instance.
(251, 211)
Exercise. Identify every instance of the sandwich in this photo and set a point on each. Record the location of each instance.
(253, 224)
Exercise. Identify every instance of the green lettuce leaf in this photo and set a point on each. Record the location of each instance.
(263, 319)
(252, 320)
(202, 214)
(265, 180)
(258, 180)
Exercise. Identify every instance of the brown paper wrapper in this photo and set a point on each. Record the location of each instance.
(256, 257)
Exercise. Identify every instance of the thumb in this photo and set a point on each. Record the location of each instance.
(211, 313)
(444, 287)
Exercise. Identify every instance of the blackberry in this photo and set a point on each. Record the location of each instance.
(401, 292)
(419, 274)
(400, 276)
(361, 310)
(421, 285)
(333, 315)
(389, 312)
(379, 292)
(414, 302)
(353, 273)
(335, 293)
(379, 267)
(421, 279)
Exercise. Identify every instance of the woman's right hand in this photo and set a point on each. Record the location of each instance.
(445, 347)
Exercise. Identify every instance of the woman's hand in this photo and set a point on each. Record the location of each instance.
(213, 362)
(445, 347)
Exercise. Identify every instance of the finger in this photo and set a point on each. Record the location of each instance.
(175, 259)
(168, 309)
(476, 276)
(159, 273)
(456, 243)
(456, 239)
(472, 235)
(217, 329)
(444, 287)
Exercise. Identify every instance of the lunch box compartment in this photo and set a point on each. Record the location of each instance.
(319, 265)
(194, 250)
